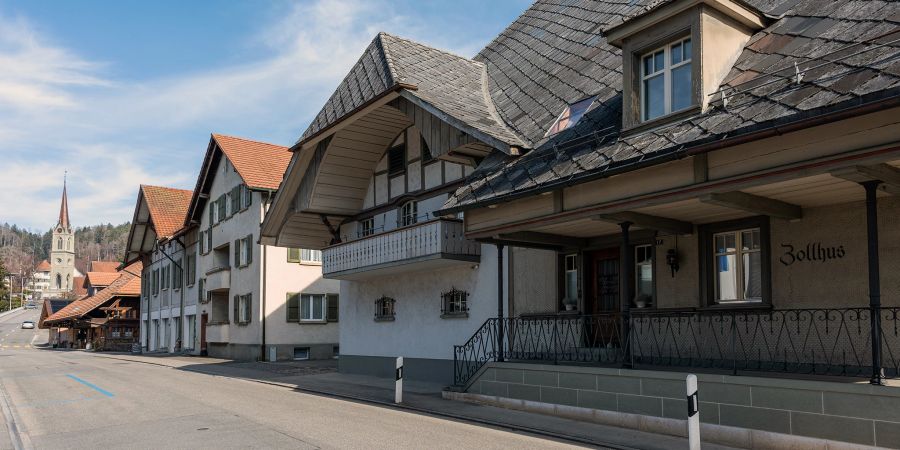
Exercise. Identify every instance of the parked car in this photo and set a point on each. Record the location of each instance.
(30, 305)
(27, 325)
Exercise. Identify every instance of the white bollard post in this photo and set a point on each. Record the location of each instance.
(398, 387)
(693, 406)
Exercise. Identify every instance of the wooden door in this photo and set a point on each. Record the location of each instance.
(603, 281)
(204, 318)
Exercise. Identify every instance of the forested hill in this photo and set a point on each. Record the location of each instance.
(92, 243)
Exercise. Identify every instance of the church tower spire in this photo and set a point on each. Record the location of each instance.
(64, 207)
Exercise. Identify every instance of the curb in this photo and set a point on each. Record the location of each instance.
(471, 420)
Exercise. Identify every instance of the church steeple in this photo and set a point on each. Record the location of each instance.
(64, 207)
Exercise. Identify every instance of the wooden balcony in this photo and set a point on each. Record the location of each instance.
(424, 246)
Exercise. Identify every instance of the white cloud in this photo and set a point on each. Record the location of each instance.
(59, 110)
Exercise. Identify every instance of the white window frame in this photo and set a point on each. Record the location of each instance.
(639, 265)
(367, 227)
(309, 256)
(243, 251)
(408, 214)
(570, 267)
(244, 308)
(738, 254)
(311, 298)
(667, 77)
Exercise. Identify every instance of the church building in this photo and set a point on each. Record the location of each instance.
(62, 253)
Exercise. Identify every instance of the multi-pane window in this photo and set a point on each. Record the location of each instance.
(666, 79)
(643, 275)
(313, 256)
(570, 116)
(397, 159)
(313, 307)
(738, 266)
(571, 279)
(367, 227)
(408, 213)
(454, 303)
(384, 309)
(242, 305)
(243, 251)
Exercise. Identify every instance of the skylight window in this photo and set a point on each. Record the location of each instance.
(570, 116)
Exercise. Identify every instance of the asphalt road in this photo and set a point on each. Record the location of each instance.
(69, 399)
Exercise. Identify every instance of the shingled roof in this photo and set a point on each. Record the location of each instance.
(127, 284)
(452, 84)
(554, 54)
(168, 207)
(260, 165)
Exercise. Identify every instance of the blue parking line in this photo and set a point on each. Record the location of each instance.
(91, 385)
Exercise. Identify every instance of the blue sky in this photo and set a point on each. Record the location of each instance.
(127, 92)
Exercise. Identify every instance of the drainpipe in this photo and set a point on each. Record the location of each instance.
(262, 296)
(627, 292)
(874, 279)
(180, 335)
(500, 302)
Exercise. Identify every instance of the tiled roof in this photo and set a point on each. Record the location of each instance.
(124, 285)
(101, 278)
(44, 266)
(78, 286)
(261, 165)
(555, 54)
(168, 207)
(452, 84)
(104, 266)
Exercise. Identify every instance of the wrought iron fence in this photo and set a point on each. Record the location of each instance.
(801, 341)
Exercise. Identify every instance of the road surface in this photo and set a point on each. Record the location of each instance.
(71, 399)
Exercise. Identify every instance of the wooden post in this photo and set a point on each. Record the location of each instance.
(874, 279)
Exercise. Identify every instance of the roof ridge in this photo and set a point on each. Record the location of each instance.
(249, 140)
(163, 187)
(446, 52)
(388, 58)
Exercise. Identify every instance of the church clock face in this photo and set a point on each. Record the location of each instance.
(59, 230)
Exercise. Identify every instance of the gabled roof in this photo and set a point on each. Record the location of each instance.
(554, 54)
(104, 266)
(49, 307)
(44, 266)
(100, 279)
(451, 84)
(168, 207)
(128, 284)
(259, 164)
(78, 286)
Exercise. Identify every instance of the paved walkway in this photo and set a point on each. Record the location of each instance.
(321, 377)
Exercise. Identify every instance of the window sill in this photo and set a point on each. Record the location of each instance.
(313, 322)
(663, 120)
(384, 318)
(738, 306)
(310, 263)
(459, 315)
(218, 323)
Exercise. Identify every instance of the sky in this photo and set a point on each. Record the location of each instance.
(122, 93)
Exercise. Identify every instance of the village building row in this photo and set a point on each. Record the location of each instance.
(608, 188)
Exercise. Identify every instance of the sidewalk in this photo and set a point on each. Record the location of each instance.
(322, 378)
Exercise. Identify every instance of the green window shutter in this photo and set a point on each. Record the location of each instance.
(332, 314)
(237, 253)
(293, 307)
(250, 249)
(211, 206)
(249, 308)
(237, 303)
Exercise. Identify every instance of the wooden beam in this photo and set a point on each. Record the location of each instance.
(648, 221)
(887, 174)
(534, 237)
(754, 204)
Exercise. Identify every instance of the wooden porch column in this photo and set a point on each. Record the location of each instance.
(874, 278)
(627, 292)
(500, 302)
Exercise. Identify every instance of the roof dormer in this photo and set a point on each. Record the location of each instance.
(677, 54)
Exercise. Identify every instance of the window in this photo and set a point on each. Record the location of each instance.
(201, 293)
(570, 116)
(408, 214)
(201, 239)
(384, 309)
(209, 239)
(643, 275)
(214, 213)
(310, 256)
(177, 274)
(367, 227)
(246, 197)
(301, 353)
(738, 266)
(243, 251)
(666, 80)
(570, 301)
(332, 303)
(293, 307)
(397, 159)
(59, 243)
(426, 152)
(242, 304)
(455, 303)
(313, 307)
(165, 281)
(155, 281)
(190, 266)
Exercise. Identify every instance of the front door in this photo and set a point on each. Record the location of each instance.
(603, 281)
(204, 318)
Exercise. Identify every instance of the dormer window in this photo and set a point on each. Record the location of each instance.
(570, 116)
(408, 214)
(666, 79)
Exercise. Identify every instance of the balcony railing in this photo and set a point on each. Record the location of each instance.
(439, 238)
(799, 341)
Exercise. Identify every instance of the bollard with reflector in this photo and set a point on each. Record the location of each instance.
(693, 413)
(398, 387)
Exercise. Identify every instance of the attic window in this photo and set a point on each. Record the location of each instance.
(397, 159)
(666, 79)
(570, 116)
